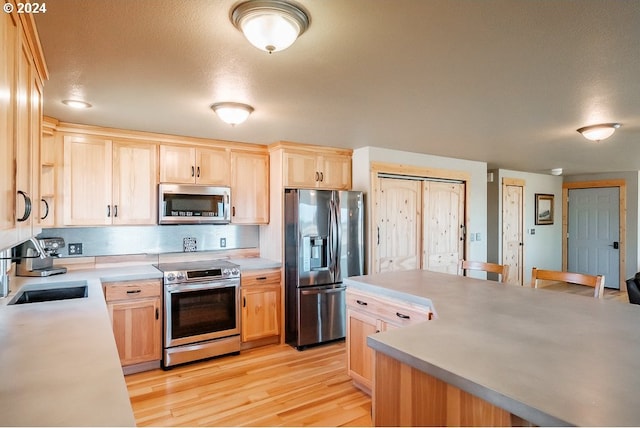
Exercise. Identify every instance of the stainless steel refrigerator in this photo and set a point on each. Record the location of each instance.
(324, 243)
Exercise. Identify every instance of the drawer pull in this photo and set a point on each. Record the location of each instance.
(133, 291)
(261, 278)
(361, 303)
(403, 316)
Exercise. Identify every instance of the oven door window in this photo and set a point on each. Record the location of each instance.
(199, 312)
(194, 205)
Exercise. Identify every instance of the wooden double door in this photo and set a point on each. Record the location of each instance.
(420, 224)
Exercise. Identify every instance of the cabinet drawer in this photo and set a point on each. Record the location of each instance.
(260, 277)
(395, 311)
(132, 290)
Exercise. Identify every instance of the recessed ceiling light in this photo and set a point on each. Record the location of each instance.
(76, 104)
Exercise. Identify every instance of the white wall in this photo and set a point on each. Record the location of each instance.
(542, 249)
(363, 157)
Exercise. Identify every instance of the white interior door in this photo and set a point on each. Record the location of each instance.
(594, 233)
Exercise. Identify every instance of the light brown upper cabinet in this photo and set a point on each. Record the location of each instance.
(249, 188)
(22, 73)
(195, 165)
(108, 182)
(321, 168)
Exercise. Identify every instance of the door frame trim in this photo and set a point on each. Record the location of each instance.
(621, 184)
(416, 171)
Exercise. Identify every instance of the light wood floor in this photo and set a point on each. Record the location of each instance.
(269, 386)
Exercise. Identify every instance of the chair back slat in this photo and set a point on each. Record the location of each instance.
(595, 281)
(502, 270)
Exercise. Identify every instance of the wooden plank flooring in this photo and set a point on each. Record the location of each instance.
(269, 386)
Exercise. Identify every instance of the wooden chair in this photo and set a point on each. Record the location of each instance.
(502, 270)
(595, 281)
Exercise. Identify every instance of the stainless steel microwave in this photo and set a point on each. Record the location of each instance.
(193, 204)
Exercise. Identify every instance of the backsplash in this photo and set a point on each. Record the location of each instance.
(117, 240)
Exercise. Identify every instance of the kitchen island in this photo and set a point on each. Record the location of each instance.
(508, 353)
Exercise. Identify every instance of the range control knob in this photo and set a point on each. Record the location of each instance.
(226, 272)
(180, 276)
(171, 277)
(235, 271)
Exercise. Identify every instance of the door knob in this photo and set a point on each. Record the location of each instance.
(615, 245)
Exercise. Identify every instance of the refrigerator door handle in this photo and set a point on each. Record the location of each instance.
(337, 238)
(322, 291)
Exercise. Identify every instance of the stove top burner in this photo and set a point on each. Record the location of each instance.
(204, 270)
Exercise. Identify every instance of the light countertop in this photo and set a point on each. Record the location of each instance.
(59, 364)
(549, 357)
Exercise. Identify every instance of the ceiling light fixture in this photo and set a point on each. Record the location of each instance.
(232, 113)
(599, 132)
(270, 25)
(556, 171)
(76, 104)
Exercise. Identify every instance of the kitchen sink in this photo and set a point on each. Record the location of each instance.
(50, 292)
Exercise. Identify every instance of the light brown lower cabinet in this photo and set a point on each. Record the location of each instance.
(260, 294)
(368, 314)
(135, 312)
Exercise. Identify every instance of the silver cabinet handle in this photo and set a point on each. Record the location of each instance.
(108, 210)
(403, 316)
(27, 206)
(362, 303)
(193, 171)
(115, 211)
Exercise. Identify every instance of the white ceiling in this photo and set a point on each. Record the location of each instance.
(502, 81)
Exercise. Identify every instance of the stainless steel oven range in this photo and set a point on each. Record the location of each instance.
(201, 310)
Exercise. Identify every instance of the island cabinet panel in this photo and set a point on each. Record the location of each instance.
(135, 309)
(261, 307)
(366, 315)
(404, 396)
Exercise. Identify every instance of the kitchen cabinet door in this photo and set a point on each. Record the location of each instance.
(335, 172)
(136, 329)
(260, 314)
(213, 167)
(300, 170)
(135, 192)
(87, 181)
(359, 355)
(134, 309)
(8, 38)
(177, 164)
(250, 188)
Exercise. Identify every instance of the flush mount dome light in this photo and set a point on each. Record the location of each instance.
(270, 25)
(599, 132)
(232, 113)
(76, 104)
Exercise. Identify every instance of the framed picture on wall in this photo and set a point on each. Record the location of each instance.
(544, 208)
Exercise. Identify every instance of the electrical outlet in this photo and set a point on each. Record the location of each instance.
(472, 237)
(223, 242)
(478, 237)
(75, 249)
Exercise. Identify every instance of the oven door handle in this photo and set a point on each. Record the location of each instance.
(209, 285)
